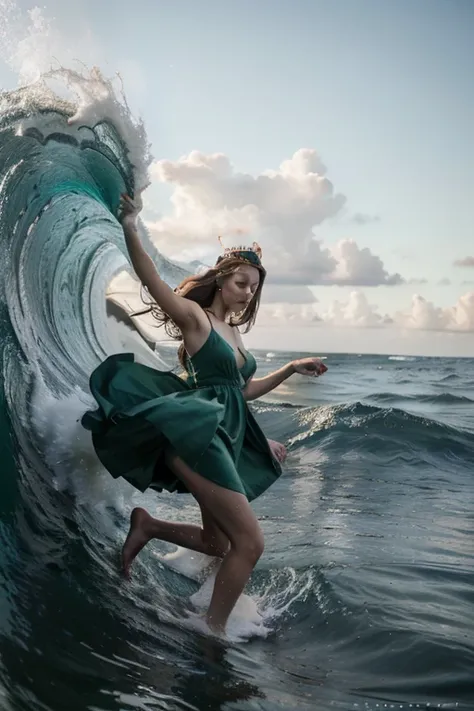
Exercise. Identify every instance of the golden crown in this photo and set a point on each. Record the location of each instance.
(251, 254)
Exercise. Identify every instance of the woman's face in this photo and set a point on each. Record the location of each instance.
(239, 287)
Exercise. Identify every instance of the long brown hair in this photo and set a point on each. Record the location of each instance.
(201, 288)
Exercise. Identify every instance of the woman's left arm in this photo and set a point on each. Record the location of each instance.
(257, 387)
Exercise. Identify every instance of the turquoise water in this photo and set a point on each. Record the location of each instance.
(366, 584)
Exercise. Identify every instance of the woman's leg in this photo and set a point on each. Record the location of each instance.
(234, 517)
(212, 535)
(143, 528)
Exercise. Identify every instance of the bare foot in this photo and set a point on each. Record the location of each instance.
(138, 536)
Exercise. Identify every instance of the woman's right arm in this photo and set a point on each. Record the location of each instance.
(183, 312)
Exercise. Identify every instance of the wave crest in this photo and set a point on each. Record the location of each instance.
(379, 429)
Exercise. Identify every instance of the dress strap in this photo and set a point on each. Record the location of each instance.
(209, 319)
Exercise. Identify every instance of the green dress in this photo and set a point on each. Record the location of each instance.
(204, 418)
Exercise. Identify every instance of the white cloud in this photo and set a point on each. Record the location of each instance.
(285, 313)
(426, 316)
(280, 208)
(422, 315)
(356, 266)
(357, 312)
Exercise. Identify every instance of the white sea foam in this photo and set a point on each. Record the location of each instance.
(68, 449)
(42, 58)
(254, 614)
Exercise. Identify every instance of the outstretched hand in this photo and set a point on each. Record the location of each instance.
(309, 366)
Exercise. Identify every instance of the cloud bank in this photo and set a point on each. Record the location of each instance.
(357, 312)
(280, 208)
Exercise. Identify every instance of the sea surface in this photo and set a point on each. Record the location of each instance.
(365, 592)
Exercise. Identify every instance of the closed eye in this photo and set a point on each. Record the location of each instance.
(253, 287)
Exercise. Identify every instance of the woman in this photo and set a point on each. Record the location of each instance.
(197, 434)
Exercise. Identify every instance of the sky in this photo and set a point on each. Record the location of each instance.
(336, 134)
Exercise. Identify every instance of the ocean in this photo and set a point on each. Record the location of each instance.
(366, 584)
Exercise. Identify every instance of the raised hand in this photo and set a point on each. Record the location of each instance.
(129, 209)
